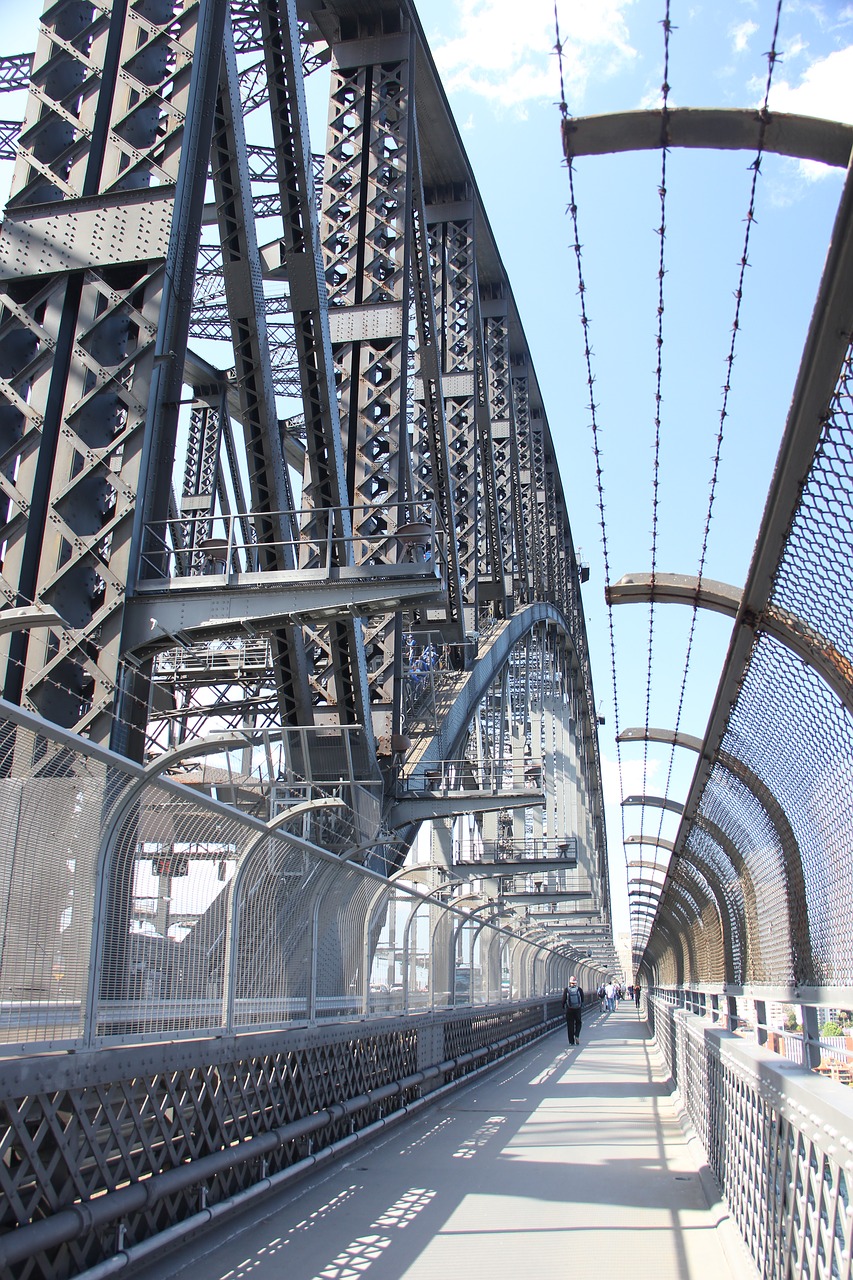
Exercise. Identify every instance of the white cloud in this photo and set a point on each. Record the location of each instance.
(824, 90)
(794, 46)
(741, 35)
(635, 778)
(505, 52)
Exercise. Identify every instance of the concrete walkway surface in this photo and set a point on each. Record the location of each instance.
(560, 1162)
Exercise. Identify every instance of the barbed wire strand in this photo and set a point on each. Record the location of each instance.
(661, 233)
(595, 425)
(668, 28)
(764, 119)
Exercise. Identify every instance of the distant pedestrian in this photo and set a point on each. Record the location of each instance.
(610, 996)
(637, 994)
(572, 1007)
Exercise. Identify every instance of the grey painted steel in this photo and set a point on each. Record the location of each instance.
(801, 638)
(205, 611)
(405, 813)
(27, 619)
(792, 1131)
(355, 1105)
(804, 137)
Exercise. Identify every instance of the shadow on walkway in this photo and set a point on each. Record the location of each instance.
(561, 1162)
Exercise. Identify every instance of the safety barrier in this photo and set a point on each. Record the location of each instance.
(111, 1154)
(779, 1141)
(133, 909)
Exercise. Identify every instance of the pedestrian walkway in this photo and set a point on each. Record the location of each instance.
(561, 1162)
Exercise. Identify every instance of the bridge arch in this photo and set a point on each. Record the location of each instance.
(794, 919)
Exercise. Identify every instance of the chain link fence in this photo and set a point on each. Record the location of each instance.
(770, 840)
(135, 908)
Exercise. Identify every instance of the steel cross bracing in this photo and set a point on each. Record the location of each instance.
(202, 318)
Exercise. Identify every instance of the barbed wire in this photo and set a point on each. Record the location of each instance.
(576, 247)
(764, 119)
(661, 232)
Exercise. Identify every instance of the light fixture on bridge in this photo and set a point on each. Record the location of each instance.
(416, 537)
(215, 552)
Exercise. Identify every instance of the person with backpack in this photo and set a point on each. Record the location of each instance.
(572, 1006)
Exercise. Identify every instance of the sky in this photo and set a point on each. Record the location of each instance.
(500, 71)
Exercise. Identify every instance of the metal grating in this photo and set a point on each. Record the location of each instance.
(771, 1135)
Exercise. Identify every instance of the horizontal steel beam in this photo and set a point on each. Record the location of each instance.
(449, 804)
(189, 610)
(517, 866)
(802, 137)
(29, 618)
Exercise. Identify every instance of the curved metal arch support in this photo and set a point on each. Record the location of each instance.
(798, 923)
(747, 887)
(683, 931)
(731, 924)
(795, 633)
(654, 802)
(669, 737)
(679, 932)
(664, 942)
(801, 137)
(732, 921)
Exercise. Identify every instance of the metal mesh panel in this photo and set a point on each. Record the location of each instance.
(271, 948)
(138, 909)
(166, 891)
(789, 729)
(52, 805)
(813, 580)
(780, 791)
(732, 807)
(707, 932)
(742, 918)
(341, 920)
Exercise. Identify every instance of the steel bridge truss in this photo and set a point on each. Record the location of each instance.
(273, 456)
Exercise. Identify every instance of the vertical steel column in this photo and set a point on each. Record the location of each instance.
(508, 480)
(452, 257)
(120, 171)
(365, 233)
(531, 482)
(339, 676)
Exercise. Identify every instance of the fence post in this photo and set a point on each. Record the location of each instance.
(811, 1036)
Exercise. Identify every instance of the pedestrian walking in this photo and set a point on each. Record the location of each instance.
(573, 1006)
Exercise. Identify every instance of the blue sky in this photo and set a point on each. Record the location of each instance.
(500, 72)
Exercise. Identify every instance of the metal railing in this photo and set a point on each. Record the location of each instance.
(209, 544)
(177, 1135)
(812, 1028)
(778, 1141)
(464, 774)
(133, 908)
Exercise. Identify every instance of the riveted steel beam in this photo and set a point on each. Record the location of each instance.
(796, 633)
(802, 137)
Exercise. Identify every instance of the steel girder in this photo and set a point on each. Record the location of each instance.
(394, 322)
(119, 115)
